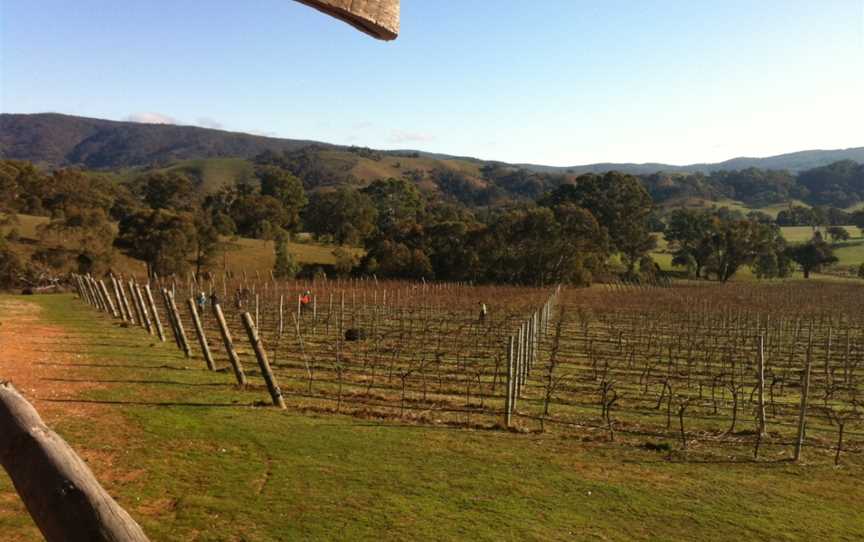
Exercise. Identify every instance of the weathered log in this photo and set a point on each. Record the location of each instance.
(108, 299)
(184, 342)
(233, 358)
(199, 332)
(120, 306)
(66, 501)
(145, 314)
(135, 304)
(155, 313)
(173, 324)
(378, 18)
(128, 309)
(263, 362)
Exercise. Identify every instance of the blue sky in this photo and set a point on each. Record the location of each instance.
(558, 82)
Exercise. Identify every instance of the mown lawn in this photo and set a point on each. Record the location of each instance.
(193, 458)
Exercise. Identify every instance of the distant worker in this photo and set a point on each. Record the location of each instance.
(202, 301)
(483, 312)
(242, 297)
(305, 299)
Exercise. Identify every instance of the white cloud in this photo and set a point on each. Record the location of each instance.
(207, 122)
(263, 133)
(151, 118)
(401, 136)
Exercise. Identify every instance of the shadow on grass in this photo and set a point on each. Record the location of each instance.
(114, 366)
(122, 381)
(156, 403)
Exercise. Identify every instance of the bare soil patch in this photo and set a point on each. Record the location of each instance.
(39, 359)
(34, 354)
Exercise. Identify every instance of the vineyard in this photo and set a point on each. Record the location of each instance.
(765, 371)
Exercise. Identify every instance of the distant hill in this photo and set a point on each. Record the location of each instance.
(793, 162)
(51, 139)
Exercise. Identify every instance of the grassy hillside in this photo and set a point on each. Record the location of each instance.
(236, 254)
(193, 458)
(850, 254)
(26, 244)
(214, 173)
(734, 205)
(258, 255)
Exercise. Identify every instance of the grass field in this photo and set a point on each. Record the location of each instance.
(850, 254)
(214, 173)
(192, 458)
(251, 255)
(735, 205)
(257, 255)
(26, 225)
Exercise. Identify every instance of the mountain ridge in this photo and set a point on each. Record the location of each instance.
(56, 139)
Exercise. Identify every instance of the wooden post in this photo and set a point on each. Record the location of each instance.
(144, 312)
(281, 315)
(805, 392)
(95, 294)
(184, 344)
(155, 313)
(80, 287)
(174, 332)
(143, 316)
(138, 316)
(126, 303)
(508, 392)
(761, 371)
(524, 361)
(519, 360)
(233, 358)
(107, 297)
(82, 292)
(263, 362)
(122, 309)
(199, 332)
(59, 490)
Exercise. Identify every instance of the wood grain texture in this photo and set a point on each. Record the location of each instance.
(66, 501)
(378, 18)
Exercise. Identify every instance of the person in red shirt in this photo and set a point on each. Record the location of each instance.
(305, 299)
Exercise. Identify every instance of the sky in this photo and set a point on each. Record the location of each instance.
(557, 82)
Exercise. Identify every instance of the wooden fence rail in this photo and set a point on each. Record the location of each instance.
(66, 501)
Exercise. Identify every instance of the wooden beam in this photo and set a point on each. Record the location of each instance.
(378, 18)
(57, 487)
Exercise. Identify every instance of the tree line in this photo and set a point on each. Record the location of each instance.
(159, 218)
(572, 229)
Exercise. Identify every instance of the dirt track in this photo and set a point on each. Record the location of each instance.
(32, 354)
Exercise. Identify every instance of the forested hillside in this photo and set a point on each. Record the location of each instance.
(52, 139)
(414, 215)
(63, 140)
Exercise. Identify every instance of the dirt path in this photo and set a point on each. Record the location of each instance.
(32, 355)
